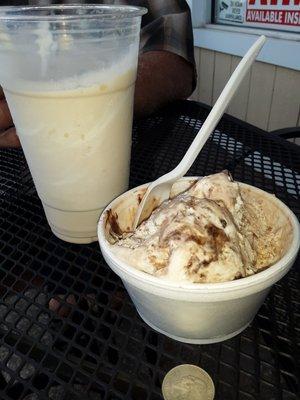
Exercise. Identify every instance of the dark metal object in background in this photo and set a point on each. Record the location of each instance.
(91, 344)
(288, 133)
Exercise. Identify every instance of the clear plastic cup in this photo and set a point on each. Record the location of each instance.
(195, 313)
(68, 73)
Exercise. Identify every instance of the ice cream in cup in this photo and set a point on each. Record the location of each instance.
(201, 266)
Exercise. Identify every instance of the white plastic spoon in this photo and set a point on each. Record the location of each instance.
(159, 190)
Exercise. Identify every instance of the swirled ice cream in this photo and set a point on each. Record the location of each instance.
(213, 232)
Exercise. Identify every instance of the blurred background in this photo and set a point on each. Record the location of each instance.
(269, 97)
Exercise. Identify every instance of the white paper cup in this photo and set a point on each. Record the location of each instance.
(195, 313)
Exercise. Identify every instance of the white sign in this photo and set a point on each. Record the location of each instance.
(231, 11)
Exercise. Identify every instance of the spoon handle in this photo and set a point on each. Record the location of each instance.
(218, 109)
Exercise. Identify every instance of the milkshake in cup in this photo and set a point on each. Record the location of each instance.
(68, 74)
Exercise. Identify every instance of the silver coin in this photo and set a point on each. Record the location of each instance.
(188, 382)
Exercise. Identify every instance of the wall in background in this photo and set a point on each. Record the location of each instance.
(269, 97)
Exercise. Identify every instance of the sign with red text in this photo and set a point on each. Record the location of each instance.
(270, 14)
(274, 12)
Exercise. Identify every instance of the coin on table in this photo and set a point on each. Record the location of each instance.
(188, 382)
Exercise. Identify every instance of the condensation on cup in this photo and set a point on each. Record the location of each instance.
(68, 74)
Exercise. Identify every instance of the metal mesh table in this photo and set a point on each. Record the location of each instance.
(95, 346)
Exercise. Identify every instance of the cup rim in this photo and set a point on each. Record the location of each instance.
(27, 13)
(226, 286)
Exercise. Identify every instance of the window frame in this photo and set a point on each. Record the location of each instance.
(281, 49)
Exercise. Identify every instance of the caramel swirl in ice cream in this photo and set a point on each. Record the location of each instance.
(209, 233)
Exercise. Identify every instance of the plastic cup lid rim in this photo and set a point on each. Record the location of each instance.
(31, 13)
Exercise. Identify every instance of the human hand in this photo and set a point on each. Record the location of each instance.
(8, 134)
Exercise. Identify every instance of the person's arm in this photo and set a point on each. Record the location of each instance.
(162, 77)
(8, 136)
(167, 68)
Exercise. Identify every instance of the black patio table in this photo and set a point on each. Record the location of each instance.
(96, 346)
